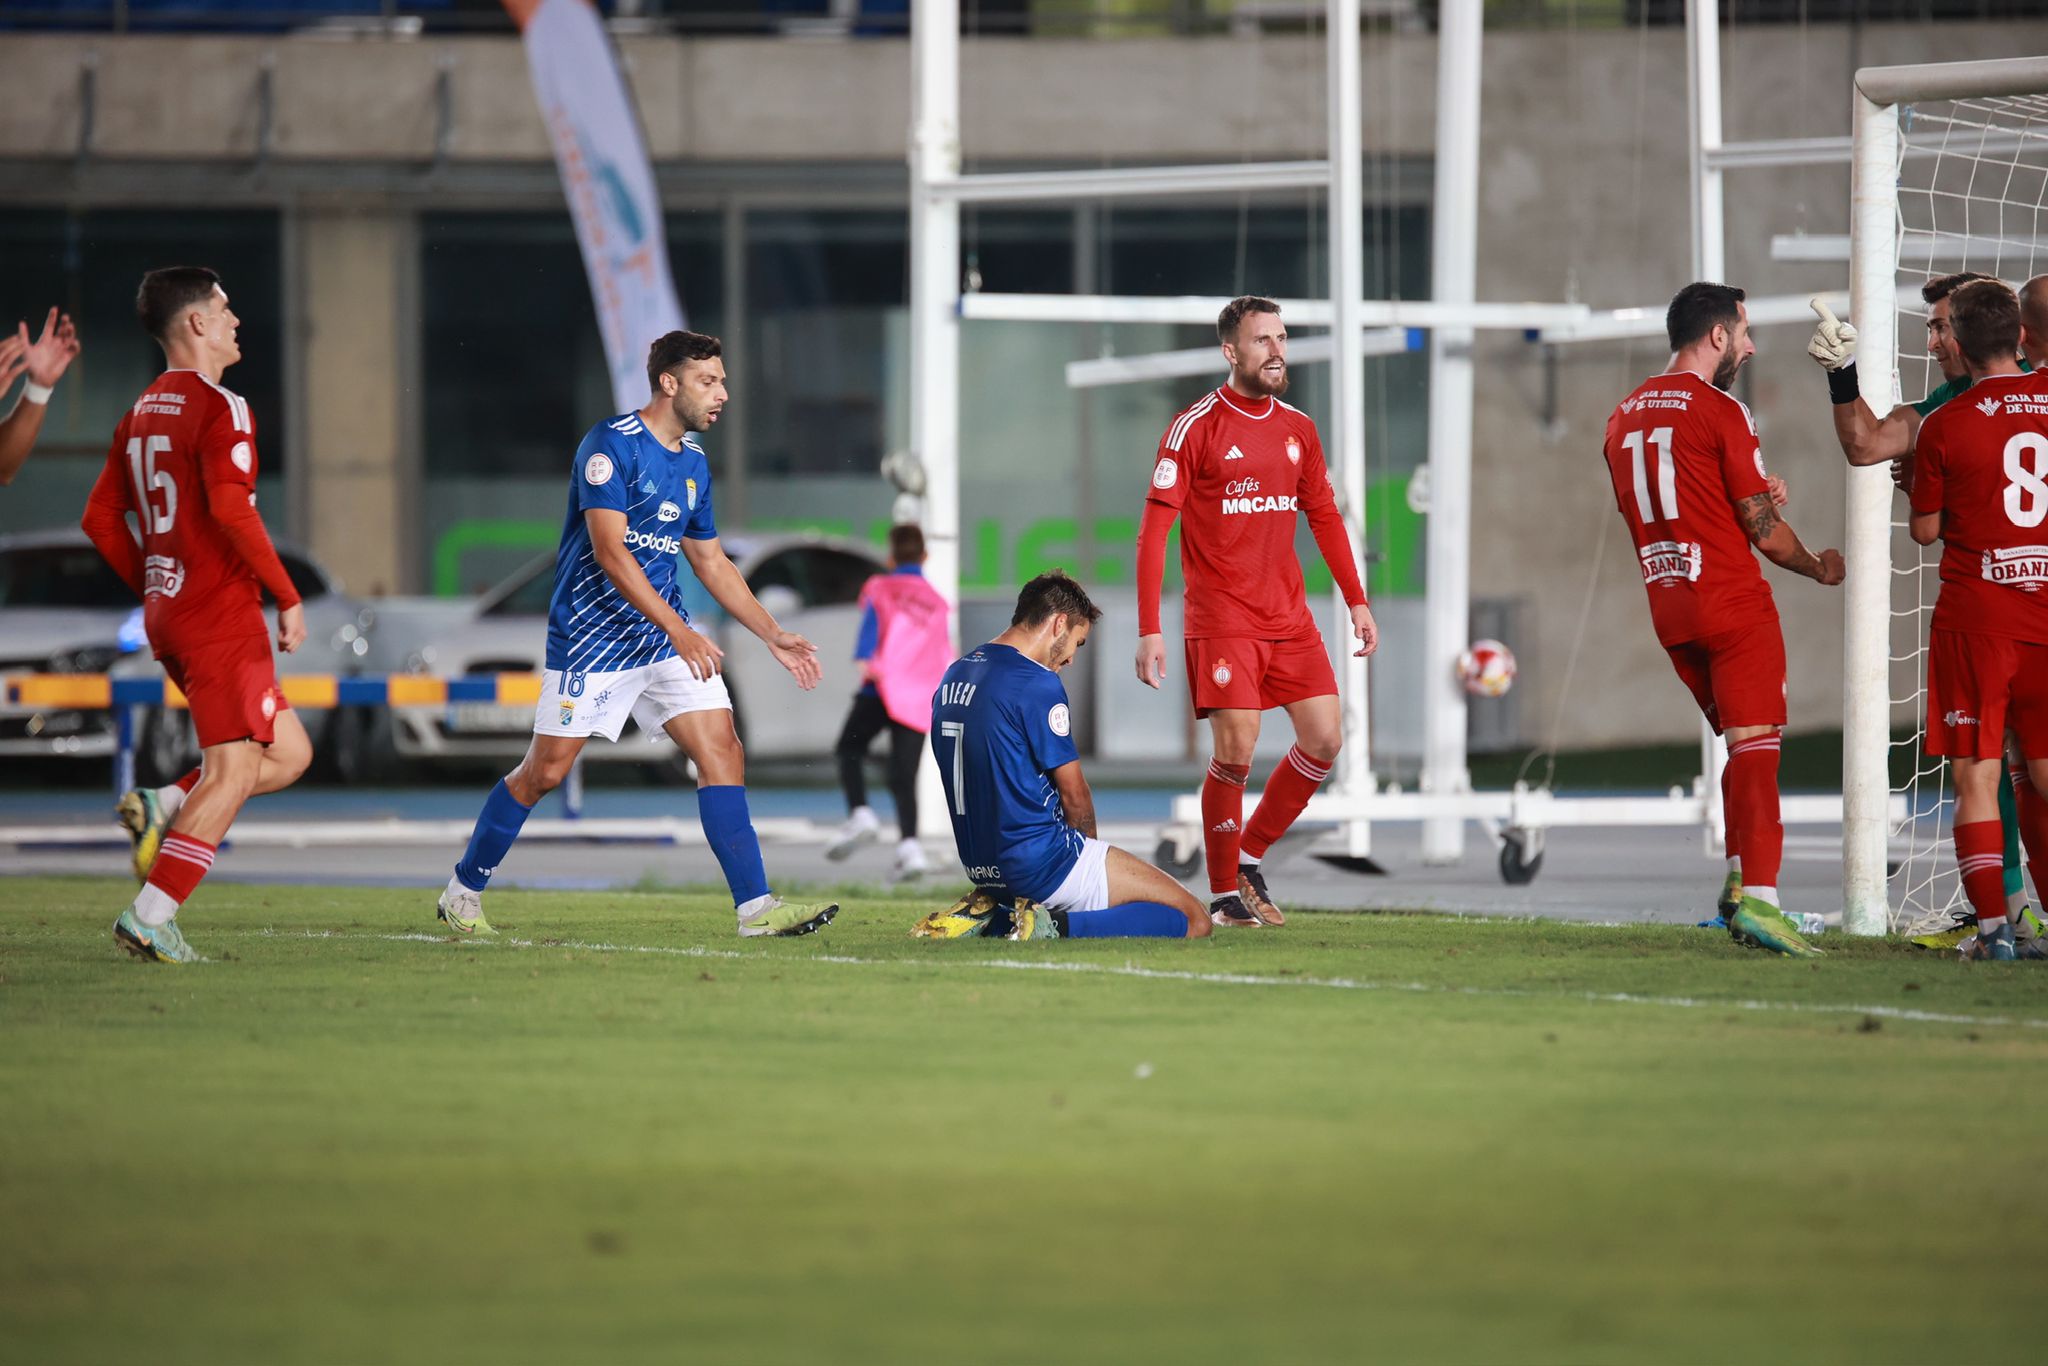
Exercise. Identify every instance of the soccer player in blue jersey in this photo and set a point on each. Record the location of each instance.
(620, 643)
(1023, 818)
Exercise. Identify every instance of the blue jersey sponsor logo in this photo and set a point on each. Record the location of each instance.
(621, 467)
(999, 729)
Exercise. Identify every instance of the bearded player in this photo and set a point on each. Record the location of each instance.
(1689, 479)
(1980, 486)
(184, 463)
(1236, 468)
(620, 643)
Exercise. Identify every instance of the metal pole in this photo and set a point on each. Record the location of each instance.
(1866, 542)
(1454, 256)
(935, 282)
(935, 310)
(1709, 262)
(1347, 385)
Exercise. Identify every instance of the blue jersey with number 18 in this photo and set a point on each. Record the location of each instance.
(1000, 726)
(666, 496)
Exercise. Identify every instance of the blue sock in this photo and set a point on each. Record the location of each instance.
(1132, 920)
(730, 829)
(497, 825)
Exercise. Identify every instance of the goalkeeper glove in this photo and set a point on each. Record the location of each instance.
(1834, 346)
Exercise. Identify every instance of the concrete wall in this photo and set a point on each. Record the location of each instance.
(1584, 195)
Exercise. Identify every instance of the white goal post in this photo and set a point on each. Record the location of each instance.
(2006, 135)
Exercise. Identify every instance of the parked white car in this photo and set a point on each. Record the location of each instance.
(64, 610)
(811, 583)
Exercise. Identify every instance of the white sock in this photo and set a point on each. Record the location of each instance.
(1735, 868)
(2015, 902)
(1769, 894)
(153, 906)
(1245, 860)
(170, 799)
(757, 905)
(909, 848)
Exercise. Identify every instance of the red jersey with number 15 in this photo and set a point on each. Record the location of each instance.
(1681, 454)
(184, 441)
(1981, 460)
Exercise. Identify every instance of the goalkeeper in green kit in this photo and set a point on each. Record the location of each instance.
(1869, 440)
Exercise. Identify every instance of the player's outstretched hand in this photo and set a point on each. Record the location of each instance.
(1152, 660)
(51, 354)
(13, 356)
(1834, 341)
(1366, 629)
(700, 653)
(1780, 494)
(798, 656)
(291, 628)
(1832, 570)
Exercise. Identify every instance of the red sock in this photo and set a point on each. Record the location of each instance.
(2033, 832)
(1980, 854)
(1750, 788)
(1222, 815)
(180, 865)
(188, 782)
(1295, 779)
(1731, 838)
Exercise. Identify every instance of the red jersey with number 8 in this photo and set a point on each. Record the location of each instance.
(185, 441)
(1681, 454)
(1981, 460)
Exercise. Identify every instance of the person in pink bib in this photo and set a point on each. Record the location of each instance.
(905, 646)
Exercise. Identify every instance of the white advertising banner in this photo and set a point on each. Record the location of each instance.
(608, 181)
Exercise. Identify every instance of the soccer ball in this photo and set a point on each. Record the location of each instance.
(1487, 668)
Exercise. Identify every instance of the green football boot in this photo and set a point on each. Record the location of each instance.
(142, 815)
(968, 918)
(1731, 896)
(1759, 924)
(163, 943)
(1034, 921)
(785, 918)
(463, 910)
(1964, 927)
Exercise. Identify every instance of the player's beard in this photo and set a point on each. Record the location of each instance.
(1255, 382)
(693, 419)
(1724, 373)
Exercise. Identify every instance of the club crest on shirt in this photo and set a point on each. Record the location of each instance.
(1221, 673)
(690, 493)
(1293, 451)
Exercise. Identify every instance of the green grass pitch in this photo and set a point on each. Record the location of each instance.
(619, 1133)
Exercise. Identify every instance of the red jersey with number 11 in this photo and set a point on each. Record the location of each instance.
(1682, 454)
(184, 448)
(1981, 460)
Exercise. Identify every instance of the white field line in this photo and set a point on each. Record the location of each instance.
(1234, 979)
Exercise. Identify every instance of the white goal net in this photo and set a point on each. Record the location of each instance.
(1969, 185)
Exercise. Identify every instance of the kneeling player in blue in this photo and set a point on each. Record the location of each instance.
(620, 642)
(1023, 818)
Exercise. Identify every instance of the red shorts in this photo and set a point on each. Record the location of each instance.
(1981, 686)
(231, 687)
(1737, 677)
(1258, 675)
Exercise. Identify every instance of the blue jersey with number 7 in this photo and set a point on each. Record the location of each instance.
(1000, 726)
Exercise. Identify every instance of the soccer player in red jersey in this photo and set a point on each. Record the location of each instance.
(1689, 479)
(183, 462)
(1236, 468)
(1980, 486)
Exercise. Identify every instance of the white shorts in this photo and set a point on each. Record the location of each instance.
(1086, 886)
(585, 704)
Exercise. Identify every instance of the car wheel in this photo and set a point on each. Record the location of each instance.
(356, 746)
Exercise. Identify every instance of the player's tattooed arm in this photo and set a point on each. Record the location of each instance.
(1075, 798)
(1781, 545)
